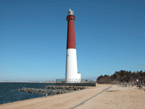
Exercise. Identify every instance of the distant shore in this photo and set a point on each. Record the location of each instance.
(25, 82)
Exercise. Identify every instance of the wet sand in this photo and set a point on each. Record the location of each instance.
(115, 97)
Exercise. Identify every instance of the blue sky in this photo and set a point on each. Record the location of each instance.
(110, 36)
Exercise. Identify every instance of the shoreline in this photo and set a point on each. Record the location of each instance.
(114, 97)
(24, 82)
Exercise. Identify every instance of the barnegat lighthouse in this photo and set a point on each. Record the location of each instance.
(71, 74)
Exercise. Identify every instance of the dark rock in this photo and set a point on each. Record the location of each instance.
(51, 90)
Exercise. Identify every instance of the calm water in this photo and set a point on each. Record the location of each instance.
(7, 93)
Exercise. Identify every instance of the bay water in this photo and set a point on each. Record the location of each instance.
(7, 93)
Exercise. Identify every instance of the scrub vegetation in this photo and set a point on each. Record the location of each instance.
(121, 77)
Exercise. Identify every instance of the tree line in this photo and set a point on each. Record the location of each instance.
(122, 76)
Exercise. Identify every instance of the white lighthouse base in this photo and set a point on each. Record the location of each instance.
(72, 75)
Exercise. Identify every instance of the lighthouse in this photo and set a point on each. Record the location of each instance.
(71, 75)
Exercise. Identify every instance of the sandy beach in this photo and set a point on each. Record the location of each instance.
(115, 97)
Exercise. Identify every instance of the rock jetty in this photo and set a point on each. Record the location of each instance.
(52, 90)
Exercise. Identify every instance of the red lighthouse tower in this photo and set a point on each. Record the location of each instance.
(72, 74)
